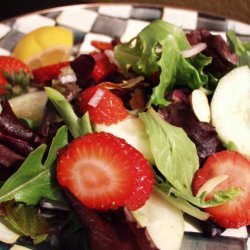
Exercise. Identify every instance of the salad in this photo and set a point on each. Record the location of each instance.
(125, 141)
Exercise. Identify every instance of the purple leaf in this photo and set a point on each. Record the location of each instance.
(223, 60)
(9, 162)
(8, 157)
(110, 230)
(83, 67)
(202, 134)
(12, 126)
(49, 125)
(22, 147)
(16, 140)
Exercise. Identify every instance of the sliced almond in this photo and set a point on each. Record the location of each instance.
(200, 105)
(211, 184)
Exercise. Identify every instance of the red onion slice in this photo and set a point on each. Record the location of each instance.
(196, 49)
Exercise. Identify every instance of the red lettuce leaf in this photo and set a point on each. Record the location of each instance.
(223, 60)
(12, 126)
(110, 230)
(8, 157)
(16, 141)
(22, 147)
(83, 67)
(202, 134)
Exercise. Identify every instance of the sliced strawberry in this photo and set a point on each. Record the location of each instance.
(3, 83)
(235, 213)
(143, 186)
(46, 74)
(14, 72)
(102, 105)
(103, 68)
(103, 172)
(102, 45)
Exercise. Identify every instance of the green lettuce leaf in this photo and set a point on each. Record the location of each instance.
(177, 161)
(242, 49)
(27, 221)
(158, 48)
(34, 179)
(77, 126)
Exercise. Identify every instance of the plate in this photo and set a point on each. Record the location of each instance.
(104, 22)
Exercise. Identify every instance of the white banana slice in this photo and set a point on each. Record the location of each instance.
(230, 109)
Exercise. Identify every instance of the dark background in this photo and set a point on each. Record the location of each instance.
(11, 8)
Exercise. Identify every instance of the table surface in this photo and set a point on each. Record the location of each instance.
(226, 8)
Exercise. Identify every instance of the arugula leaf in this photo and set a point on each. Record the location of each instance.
(242, 49)
(219, 197)
(231, 146)
(77, 126)
(181, 204)
(176, 159)
(33, 180)
(158, 48)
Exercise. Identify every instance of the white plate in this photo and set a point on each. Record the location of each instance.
(104, 22)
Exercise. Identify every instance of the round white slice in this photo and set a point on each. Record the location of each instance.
(164, 223)
(230, 109)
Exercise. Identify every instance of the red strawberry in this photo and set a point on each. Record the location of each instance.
(102, 45)
(13, 72)
(103, 68)
(102, 105)
(46, 74)
(104, 172)
(235, 213)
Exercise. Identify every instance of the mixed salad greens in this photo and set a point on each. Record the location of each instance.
(155, 76)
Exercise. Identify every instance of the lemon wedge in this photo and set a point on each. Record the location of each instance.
(45, 46)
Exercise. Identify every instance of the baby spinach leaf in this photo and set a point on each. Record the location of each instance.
(33, 180)
(174, 153)
(77, 126)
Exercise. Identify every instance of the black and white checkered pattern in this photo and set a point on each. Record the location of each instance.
(109, 21)
(125, 21)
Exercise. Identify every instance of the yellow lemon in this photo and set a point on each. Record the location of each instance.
(44, 46)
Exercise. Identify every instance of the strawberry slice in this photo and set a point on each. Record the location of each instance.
(104, 172)
(103, 106)
(102, 45)
(103, 68)
(44, 75)
(235, 213)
